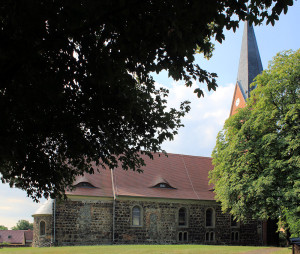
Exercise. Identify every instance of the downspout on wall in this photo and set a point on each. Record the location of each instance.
(54, 213)
(114, 205)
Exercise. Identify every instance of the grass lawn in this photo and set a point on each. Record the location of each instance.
(144, 249)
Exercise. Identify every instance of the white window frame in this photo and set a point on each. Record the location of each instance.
(213, 217)
(186, 217)
(140, 219)
(210, 239)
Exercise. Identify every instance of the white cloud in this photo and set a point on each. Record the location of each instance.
(15, 205)
(7, 208)
(16, 201)
(203, 122)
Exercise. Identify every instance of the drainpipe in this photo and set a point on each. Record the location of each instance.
(114, 210)
(54, 212)
(114, 205)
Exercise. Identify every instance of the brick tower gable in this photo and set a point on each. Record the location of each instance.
(238, 100)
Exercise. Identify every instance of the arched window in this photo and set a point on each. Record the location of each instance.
(235, 236)
(180, 236)
(210, 217)
(212, 236)
(207, 236)
(182, 217)
(136, 216)
(185, 236)
(234, 223)
(42, 228)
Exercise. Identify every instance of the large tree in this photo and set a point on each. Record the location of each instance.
(3, 227)
(76, 82)
(257, 154)
(23, 225)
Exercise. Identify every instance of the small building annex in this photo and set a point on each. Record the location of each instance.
(170, 202)
(16, 237)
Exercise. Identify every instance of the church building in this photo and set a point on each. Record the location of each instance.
(171, 202)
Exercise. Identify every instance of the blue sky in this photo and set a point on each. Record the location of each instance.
(207, 115)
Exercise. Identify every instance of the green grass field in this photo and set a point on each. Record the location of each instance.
(147, 249)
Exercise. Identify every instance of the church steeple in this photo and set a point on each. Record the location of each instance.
(250, 64)
(249, 67)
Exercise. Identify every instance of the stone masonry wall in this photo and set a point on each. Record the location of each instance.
(160, 224)
(91, 222)
(83, 222)
(44, 240)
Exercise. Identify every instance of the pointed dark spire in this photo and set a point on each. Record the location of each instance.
(250, 64)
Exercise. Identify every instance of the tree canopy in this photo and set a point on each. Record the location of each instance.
(76, 84)
(257, 154)
(23, 225)
(3, 227)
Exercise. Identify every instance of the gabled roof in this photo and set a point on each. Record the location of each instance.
(12, 236)
(238, 100)
(250, 63)
(187, 174)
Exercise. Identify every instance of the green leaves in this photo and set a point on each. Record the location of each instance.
(76, 83)
(3, 227)
(23, 225)
(257, 154)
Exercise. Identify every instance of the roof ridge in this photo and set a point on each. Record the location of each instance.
(199, 156)
(189, 178)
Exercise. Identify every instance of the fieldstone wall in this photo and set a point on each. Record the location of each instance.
(91, 223)
(83, 222)
(251, 233)
(160, 224)
(42, 240)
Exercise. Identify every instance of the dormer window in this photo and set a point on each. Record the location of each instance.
(163, 186)
(84, 185)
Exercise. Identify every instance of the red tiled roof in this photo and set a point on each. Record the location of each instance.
(12, 236)
(188, 175)
(101, 180)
